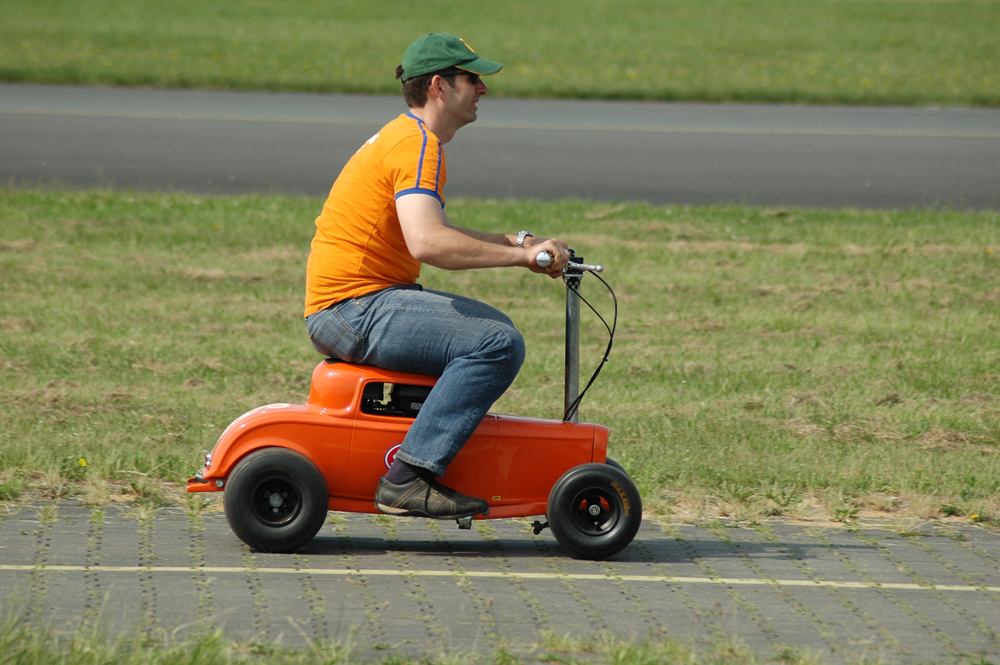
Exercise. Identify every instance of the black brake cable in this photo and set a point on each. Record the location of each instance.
(575, 406)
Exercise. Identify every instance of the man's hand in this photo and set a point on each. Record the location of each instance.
(556, 248)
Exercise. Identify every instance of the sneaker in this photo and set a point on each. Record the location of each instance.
(426, 497)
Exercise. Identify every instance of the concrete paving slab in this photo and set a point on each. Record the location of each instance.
(410, 588)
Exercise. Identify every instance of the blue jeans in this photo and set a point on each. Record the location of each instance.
(474, 349)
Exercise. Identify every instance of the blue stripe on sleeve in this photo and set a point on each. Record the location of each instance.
(423, 148)
(420, 165)
(421, 190)
(437, 177)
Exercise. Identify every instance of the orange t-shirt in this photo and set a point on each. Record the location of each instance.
(359, 246)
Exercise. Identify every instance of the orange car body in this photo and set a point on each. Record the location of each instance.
(511, 461)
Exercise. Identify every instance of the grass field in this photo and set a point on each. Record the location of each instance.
(885, 52)
(38, 648)
(822, 364)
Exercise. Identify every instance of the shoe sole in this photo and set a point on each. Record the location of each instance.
(404, 512)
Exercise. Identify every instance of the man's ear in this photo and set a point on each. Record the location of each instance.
(436, 85)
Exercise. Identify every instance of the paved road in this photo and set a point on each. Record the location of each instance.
(411, 587)
(662, 153)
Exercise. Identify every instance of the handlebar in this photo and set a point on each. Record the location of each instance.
(544, 260)
(572, 276)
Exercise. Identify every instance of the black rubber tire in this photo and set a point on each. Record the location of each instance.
(618, 513)
(611, 462)
(250, 505)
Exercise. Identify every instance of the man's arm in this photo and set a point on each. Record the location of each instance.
(507, 239)
(431, 239)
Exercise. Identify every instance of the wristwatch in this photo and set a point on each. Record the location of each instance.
(521, 235)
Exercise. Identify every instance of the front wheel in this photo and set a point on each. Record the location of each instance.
(276, 500)
(594, 510)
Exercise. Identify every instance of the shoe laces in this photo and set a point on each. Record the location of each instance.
(443, 489)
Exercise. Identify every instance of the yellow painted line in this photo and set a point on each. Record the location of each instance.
(581, 577)
(541, 126)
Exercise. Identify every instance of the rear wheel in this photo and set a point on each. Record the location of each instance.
(275, 500)
(594, 510)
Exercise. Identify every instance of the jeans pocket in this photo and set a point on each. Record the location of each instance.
(332, 335)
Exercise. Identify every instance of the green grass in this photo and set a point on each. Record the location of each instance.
(24, 646)
(901, 52)
(768, 362)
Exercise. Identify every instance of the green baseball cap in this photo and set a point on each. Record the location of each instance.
(434, 52)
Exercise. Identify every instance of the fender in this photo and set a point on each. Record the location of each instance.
(273, 425)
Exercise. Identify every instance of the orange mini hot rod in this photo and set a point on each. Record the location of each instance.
(281, 467)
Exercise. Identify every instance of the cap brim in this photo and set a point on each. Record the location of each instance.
(481, 66)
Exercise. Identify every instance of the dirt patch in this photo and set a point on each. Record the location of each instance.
(203, 274)
(938, 439)
(25, 245)
(977, 399)
(890, 399)
(9, 365)
(17, 324)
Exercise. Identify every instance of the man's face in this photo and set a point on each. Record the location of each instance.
(461, 100)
